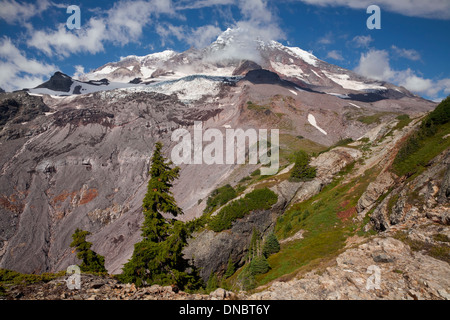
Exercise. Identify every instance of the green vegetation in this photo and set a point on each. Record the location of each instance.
(437, 251)
(91, 261)
(391, 203)
(290, 144)
(341, 143)
(213, 282)
(257, 263)
(425, 143)
(441, 237)
(231, 268)
(219, 197)
(325, 231)
(259, 199)
(375, 118)
(10, 277)
(403, 121)
(256, 107)
(302, 171)
(271, 245)
(158, 258)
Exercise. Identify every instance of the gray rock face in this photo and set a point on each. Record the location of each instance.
(58, 82)
(87, 167)
(444, 193)
(414, 199)
(210, 251)
(375, 189)
(19, 107)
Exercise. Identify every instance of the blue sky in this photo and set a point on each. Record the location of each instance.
(411, 48)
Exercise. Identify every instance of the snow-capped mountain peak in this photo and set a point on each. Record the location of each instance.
(234, 53)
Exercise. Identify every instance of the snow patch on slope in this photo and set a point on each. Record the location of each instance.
(287, 70)
(304, 55)
(352, 104)
(339, 95)
(344, 81)
(187, 89)
(312, 121)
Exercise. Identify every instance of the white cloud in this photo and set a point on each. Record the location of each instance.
(166, 31)
(79, 72)
(15, 12)
(188, 4)
(126, 20)
(327, 39)
(258, 23)
(375, 64)
(410, 54)
(362, 41)
(66, 42)
(18, 71)
(336, 55)
(121, 24)
(203, 36)
(124, 23)
(256, 11)
(198, 37)
(436, 9)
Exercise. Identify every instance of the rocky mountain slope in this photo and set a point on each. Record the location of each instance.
(75, 154)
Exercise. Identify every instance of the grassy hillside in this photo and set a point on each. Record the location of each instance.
(429, 140)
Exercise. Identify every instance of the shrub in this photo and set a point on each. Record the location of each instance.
(219, 197)
(259, 199)
(423, 144)
(302, 171)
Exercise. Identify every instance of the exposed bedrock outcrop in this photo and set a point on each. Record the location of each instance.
(417, 198)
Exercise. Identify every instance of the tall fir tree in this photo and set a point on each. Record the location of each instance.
(91, 261)
(158, 258)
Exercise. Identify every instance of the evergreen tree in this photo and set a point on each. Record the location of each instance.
(158, 258)
(231, 268)
(213, 282)
(302, 171)
(91, 261)
(259, 265)
(271, 245)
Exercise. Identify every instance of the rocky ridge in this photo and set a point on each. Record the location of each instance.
(94, 287)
